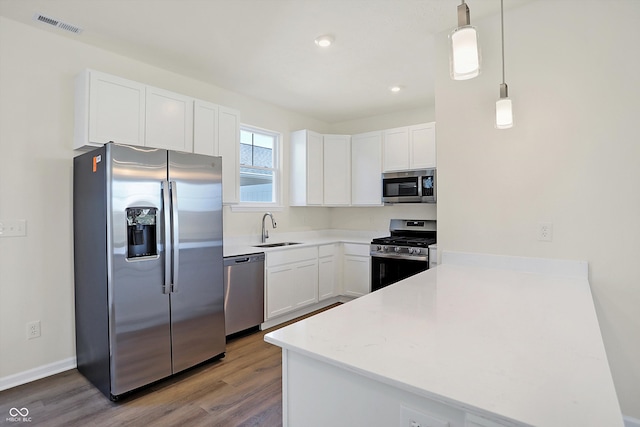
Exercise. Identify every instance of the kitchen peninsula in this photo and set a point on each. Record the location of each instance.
(480, 340)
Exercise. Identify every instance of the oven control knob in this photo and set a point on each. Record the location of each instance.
(397, 249)
(412, 251)
(379, 248)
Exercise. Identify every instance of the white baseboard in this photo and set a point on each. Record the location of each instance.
(40, 372)
(631, 422)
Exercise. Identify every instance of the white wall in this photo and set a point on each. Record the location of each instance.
(385, 121)
(571, 159)
(37, 69)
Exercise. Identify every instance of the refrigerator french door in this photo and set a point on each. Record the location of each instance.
(148, 264)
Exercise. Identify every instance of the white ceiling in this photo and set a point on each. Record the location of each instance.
(265, 48)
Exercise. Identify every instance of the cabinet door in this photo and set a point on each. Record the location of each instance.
(396, 149)
(169, 120)
(326, 277)
(280, 298)
(205, 128)
(116, 109)
(356, 278)
(337, 170)
(366, 169)
(315, 180)
(305, 283)
(229, 149)
(422, 150)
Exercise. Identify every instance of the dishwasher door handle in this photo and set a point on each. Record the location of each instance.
(241, 260)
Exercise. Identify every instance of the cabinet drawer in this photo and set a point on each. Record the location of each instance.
(326, 250)
(291, 255)
(356, 249)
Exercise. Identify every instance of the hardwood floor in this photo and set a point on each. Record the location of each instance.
(242, 389)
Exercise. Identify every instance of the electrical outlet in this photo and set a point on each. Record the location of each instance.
(412, 418)
(15, 228)
(545, 231)
(33, 329)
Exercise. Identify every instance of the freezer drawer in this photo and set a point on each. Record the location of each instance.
(243, 292)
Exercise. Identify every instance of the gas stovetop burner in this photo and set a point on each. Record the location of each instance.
(409, 239)
(419, 242)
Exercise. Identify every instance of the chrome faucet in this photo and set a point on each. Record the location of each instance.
(265, 233)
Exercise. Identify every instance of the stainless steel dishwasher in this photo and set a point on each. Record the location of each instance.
(243, 292)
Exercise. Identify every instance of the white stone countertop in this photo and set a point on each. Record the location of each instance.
(242, 245)
(524, 346)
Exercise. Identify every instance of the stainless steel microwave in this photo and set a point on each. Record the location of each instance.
(416, 186)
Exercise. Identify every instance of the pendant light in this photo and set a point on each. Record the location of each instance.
(504, 112)
(464, 56)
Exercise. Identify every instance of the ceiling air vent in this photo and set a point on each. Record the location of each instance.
(62, 25)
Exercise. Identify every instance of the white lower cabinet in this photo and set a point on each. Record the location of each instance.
(300, 277)
(356, 269)
(327, 271)
(292, 280)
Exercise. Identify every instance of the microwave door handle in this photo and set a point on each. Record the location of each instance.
(166, 225)
(175, 236)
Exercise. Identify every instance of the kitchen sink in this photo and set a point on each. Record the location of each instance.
(276, 245)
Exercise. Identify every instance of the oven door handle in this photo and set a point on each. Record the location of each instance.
(424, 258)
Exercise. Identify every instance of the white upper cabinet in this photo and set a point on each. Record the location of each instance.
(410, 147)
(337, 170)
(307, 171)
(229, 149)
(320, 173)
(205, 128)
(108, 108)
(422, 146)
(396, 149)
(366, 169)
(169, 120)
(216, 132)
(315, 171)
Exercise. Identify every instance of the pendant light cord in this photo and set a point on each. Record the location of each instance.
(502, 34)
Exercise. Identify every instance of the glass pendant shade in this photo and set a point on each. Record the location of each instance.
(504, 113)
(464, 55)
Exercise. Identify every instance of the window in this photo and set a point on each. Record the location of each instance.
(259, 171)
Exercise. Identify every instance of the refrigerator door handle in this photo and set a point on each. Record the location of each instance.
(175, 236)
(166, 224)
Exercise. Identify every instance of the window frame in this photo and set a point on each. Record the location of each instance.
(276, 205)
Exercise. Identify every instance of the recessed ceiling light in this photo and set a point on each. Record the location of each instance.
(396, 89)
(324, 41)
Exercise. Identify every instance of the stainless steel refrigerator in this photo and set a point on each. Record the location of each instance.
(148, 264)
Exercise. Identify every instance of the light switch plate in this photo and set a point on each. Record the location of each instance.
(15, 228)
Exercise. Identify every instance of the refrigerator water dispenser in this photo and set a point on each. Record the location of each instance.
(141, 233)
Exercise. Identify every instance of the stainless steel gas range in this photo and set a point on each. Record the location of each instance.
(402, 254)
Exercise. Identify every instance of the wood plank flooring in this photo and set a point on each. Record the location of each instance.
(242, 389)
